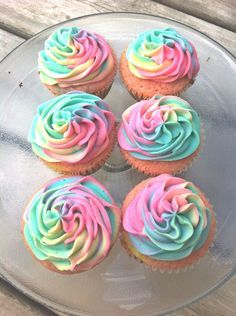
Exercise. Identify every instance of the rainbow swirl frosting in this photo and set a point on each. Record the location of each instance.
(161, 129)
(167, 220)
(74, 57)
(162, 55)
(71, 223)
(71, 128)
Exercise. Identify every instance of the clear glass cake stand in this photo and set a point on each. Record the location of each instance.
(120, 285)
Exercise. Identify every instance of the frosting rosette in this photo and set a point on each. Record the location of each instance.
(71, 223)
(167, 219)
(161, 129)
(71, 128)
(162, 55)
(73, 57)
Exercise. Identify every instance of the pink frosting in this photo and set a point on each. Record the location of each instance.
(167, 219)
(160, 195)
(72, 222)
(163, 55)
(71, 128)
(75, 57)
(162, 128)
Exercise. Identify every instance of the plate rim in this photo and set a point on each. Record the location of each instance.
(43, 300)
(231, 55)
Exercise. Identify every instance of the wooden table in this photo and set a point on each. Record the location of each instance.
(21, 19)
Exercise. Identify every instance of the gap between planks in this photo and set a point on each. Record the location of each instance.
(218, 12)
(25, 18)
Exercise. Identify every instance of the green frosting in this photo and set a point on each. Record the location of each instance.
(73, 56)
(168, 220)
(71, 223)
(161, 129)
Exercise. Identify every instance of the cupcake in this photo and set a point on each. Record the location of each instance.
(161, 135)
(159, 61)
(74, 59)
(167, 223)
(73, 133)
(70, 224)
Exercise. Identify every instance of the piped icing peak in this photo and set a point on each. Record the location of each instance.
(71, 128)
(73, 57)
(161, 129)
(162, 55)
(72, 223)
(167, 219)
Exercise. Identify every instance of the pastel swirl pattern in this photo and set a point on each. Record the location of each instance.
(74, 57)
(162, 55)
(161, 129)
(71, 128)
(167, 220)
(71, 223)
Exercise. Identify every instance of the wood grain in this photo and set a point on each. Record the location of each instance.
(219, 12)
(27, 17)
(8, 42)
(220, 303)
(14, 303)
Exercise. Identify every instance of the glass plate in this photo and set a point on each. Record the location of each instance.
(120, 285)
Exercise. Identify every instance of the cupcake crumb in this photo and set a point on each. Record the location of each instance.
(20, 84)
(208, 58)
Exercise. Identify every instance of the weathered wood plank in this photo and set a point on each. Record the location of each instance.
(219, 12)
(14, 303)
(221, 302)
(26, 18)
(8, 42)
